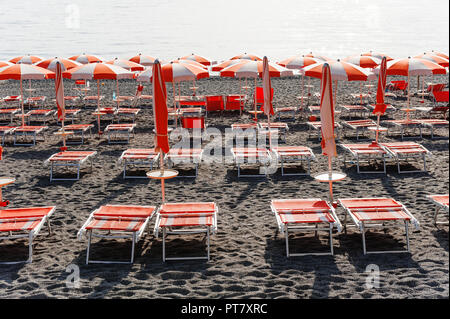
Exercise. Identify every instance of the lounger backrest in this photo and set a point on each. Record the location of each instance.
(30, 212)
(441, 96)
(313, 204)
(214, 103)
(355, 203)
(208, 207)
(125, 211)
(232, 102)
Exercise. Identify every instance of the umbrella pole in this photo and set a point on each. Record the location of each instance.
(423, 90)
(175, 105)
(335, 90)
(360, 93)
(117, 96)
(303, 89)
(161, 164)
(256, 116)
(270, 134)
(330, 178)
(378, 127)
(408, 103)
(98, 105)
(21, 99)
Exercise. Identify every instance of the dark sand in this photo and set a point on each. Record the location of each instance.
(247, 254)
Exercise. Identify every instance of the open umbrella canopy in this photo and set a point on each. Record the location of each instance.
(175, 72)
(199, 59)
(25, 72)
(318, 56)
(298, 62)
(98, 71)
(377, 55)
(219, 67)
(340, 71)
(145, 60)
(50, 64)
(86, 58)
(5, 63)
(434, 58)
(413, 67)
(442, 55)
(246, 56)
(126, 64)
(254, 69)
(363, 61)
(26, 59)
(191, 62)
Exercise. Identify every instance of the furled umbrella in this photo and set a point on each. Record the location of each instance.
(267, 92)
(26, 59)
(59, 93)
(380, 106)
(86, 58)
(161, 126)
(24, 72)
(328, 142)
(98, 71)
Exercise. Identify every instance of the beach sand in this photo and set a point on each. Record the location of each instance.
(248, 258)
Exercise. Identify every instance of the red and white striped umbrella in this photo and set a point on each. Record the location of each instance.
(5, 63)
(318, 56)
(175, 72)
(50, 64)
(413, 66)
(126, 64)
(199, 59)
(26, 59)
(98, 71)
(24, 72)
(298, 62)
(247, 56)
(340, 71)
(434, 58)
(225, 64)
(145, 60)
(377, 55)
(194, 63)
(86, 58)
(254, 69)
(442, 55)
(366, 62)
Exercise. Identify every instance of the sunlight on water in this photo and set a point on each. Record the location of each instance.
(221, 29)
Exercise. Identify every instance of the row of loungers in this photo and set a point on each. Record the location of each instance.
(132, 222)
(247, 157)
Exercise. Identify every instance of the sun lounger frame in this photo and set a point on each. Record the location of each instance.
(295, 157)
(363, 156)
(243, 160)
(363, 226)
(116, 130)
(193, 158)
(71, 162)
(149, 160)
(31, 234)
(298, 227)
(399, 156)
(78, 130)
(37, 130)
(439, 206)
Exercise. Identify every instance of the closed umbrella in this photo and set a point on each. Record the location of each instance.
(380, 106)
(59, 93)
(267, 88)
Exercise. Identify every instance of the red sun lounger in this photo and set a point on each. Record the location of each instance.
(145, 157)
(294, 155)
(441, 202)
(186, 218)
(382, 213)
(406, 125)
(251, 156)
(69, 159)
(40, 115)
(288, 111)
(6, 130)
(35, 101)
(358, 126)
(116, 132)
(92, 99)
(8, 114)
(72, 114)
(25, 131)
(355, 110)
(310, 214)
(79, 131)
(12, 99)
(389, 107)
(403, 151)
(116, 221)
(24, 223)
(127, 112)
(279, 128)
(185, 156)
(316, 126)
(433, 124)
(365, 153)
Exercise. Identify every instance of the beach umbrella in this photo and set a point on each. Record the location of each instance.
(377, 55)
(98, 71)
(267, 90)
(59, 93)
(219, 67)
(197, 58)
(126, 64)
(380, 106)
(318, 56)
(442, 55)
(366, 62)
(298, 62)
(434, 58)
(86, 58)
(412, 67)
(26, 59)
(246, 56)
(194, 63)
(24, 72)
(141, 59)
(50, 64)
(328, 142)
(161, 125)
(5, 63)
